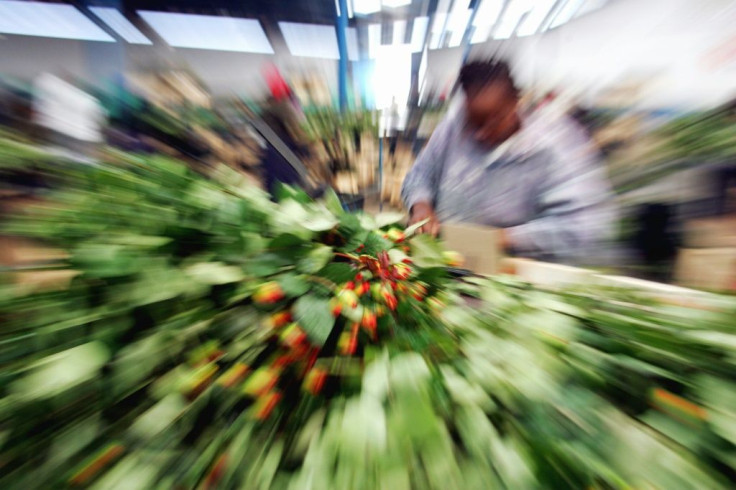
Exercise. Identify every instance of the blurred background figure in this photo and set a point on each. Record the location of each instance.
(537, 178)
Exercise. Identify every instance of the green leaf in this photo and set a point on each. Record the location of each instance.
(337, 272)
(284, 192)
(313, 314)
(214, 273)
(388, 218)
(426, 251)
(332, 202)
(316, 259)
(265, 264)
(320, 223)
(293, 285)
(375, 243)
(413, 228)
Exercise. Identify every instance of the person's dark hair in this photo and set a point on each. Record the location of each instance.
(476, 75)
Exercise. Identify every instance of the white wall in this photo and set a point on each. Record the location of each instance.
(667, 47)
(665, 44)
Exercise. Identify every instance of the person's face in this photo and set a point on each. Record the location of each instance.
(491, 113)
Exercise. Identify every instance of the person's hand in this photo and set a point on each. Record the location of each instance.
(421, 211)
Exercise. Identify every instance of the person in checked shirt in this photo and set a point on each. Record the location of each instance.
(536, 177)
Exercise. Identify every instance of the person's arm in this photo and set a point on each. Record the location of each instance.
(421, 184)
(575, 210)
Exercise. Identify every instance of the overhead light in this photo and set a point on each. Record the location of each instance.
(484, 20)
(566, 13)
(364, 7)
(438, 26)
(395, 3)
(310, 40)
(209, 32)
(457, 24)
(49, 20)
(418, 33)
(118, 23)
(352, 38)
(515, 10)
(399, 31)
(533, 20)
(374, 39)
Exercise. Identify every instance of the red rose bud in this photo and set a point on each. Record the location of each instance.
(348, 298)
(396, 235)
(293, 335)
(359, 276)
(402, 271)
(394, 286)
(282, 361)
(407, 249)
(402, 288)
(349, 285)
(390, 299)
(280, 319)
(335, 307)
(360, 248)
(407, 260)
(315, 380)
(261, 381)
(268, 293)
(265, 404)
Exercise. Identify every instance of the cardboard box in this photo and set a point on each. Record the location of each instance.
(478, 244)
(711, 233)
(707, 268)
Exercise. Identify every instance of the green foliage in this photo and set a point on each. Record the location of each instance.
(199, 347)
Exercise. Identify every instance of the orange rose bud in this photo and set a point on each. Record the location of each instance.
(293, 335)
(265, 404)
(419, 291)
(390, 299)
(315, 380)
(261, 381)
(435, 303)
(233, 375)
(280, 319)
(369, 320)
(396, 235)
(103, 459)
(402, 271)
(335, 307)
(348, 298)
(453, 259)
(268, 293)
(343, 343)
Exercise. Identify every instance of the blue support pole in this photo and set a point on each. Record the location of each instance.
(342, 44)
